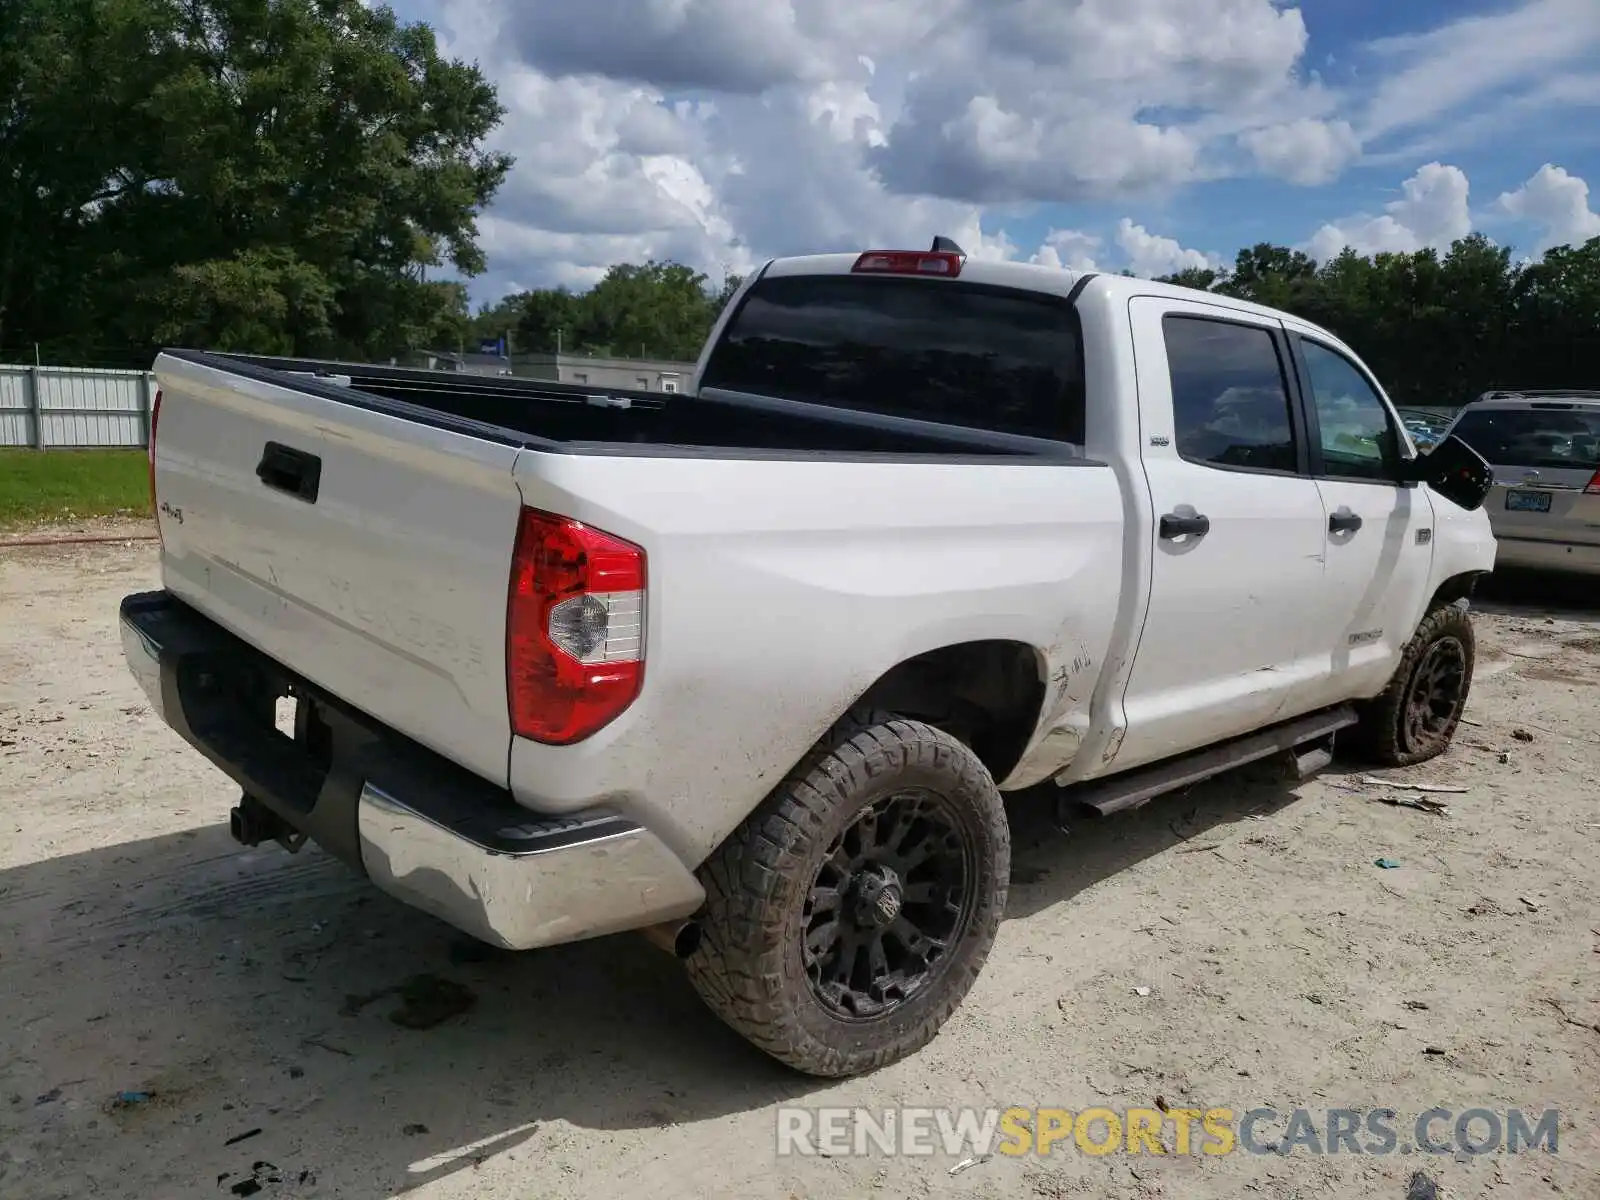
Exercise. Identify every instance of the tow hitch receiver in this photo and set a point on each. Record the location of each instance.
(252, 822)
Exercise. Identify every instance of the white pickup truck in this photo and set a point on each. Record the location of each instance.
(749, 668)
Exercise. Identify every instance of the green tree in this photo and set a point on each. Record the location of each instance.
(659, 309)
(649, 310)
(494, 321)
(730, 287)
(1272, 275)
(1557, 320)
(1202, 279)
(261, 174)
(1439, 330)
(549, 321)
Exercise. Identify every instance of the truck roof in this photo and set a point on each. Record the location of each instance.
(1033, 277)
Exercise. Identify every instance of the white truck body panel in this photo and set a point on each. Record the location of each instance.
(389, 591)
(769, 617)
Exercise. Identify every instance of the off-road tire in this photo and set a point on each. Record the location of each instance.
(1383, 736)
(748, 966)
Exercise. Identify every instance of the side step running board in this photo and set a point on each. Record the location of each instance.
(1308, 740)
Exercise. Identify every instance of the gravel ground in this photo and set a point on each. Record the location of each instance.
(184, 1017)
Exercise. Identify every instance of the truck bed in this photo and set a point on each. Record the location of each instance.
(576, 418)
(355, 524)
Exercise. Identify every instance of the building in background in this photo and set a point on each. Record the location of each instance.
(636, 374)
(632, 374)
(470, 361)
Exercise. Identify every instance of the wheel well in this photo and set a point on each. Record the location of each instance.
(987, 694)
(1457, 587)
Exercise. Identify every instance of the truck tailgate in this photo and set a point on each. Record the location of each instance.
(366, 551)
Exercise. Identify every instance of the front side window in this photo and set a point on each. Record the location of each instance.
(1230, 400)
(1357, 436)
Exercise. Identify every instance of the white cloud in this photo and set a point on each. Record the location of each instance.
(1557, 204)
(1150, 254)
(1068, 249)
(1306, 151)
(1043, 101)
(800, 141)
(720, 132)
(1478, 62)
(1432, 211)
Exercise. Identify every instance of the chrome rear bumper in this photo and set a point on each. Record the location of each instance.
(424, 830)
(576, 878)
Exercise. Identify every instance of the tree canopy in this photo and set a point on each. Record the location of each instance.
(1437, 329)
(655, 310)
(280, 176)
(1440, 329)
(265, 175)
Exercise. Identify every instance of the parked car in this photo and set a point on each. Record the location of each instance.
(1427, 427)
(1544, 449)
(749, 668)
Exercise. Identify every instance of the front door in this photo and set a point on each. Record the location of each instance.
(1227, 646)
(1379, 534)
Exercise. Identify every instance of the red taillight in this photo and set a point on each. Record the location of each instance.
(155, 420)
(909, 262)
(574, 628)
(1592, 488)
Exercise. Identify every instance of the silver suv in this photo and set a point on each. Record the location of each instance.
(1544, 448)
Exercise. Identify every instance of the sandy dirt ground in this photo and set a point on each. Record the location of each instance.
(184, 1017)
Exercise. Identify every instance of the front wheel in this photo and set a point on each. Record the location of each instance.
(1416, 716)
(848, 916)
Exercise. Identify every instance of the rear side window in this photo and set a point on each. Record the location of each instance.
(1230, 399)
(935, 350)
(1540, 437)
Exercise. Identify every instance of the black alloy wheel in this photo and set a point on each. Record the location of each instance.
(1436, 696)
(892, 895)
(848, 915)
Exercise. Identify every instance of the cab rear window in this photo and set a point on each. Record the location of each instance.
(1521, 437)
(935, 350)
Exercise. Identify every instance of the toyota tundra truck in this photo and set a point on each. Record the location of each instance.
(749, 668)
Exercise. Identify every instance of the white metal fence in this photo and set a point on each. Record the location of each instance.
(46, 407)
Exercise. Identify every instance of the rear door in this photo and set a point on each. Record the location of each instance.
(364, 550)
(1544, 455)
(1378, 533)
(1226, 646)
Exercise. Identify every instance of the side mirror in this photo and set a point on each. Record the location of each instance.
(1456, 471)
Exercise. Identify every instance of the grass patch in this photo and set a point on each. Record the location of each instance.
(44, 487)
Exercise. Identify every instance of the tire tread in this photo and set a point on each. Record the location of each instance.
(1377, 737)
(738, 968)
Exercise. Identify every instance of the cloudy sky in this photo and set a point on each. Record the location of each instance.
(1148, 134)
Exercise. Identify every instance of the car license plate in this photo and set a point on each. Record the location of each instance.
(1527, 501)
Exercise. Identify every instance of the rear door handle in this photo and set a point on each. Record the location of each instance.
(1174, 526)
(1343, 521)
(285, 469)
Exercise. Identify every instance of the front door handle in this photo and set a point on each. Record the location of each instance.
(1343, 521)
(1174, 526)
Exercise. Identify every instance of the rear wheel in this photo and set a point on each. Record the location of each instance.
(1416, 716)
(848, 916)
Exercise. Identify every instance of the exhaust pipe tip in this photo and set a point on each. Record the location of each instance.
(678, 938)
